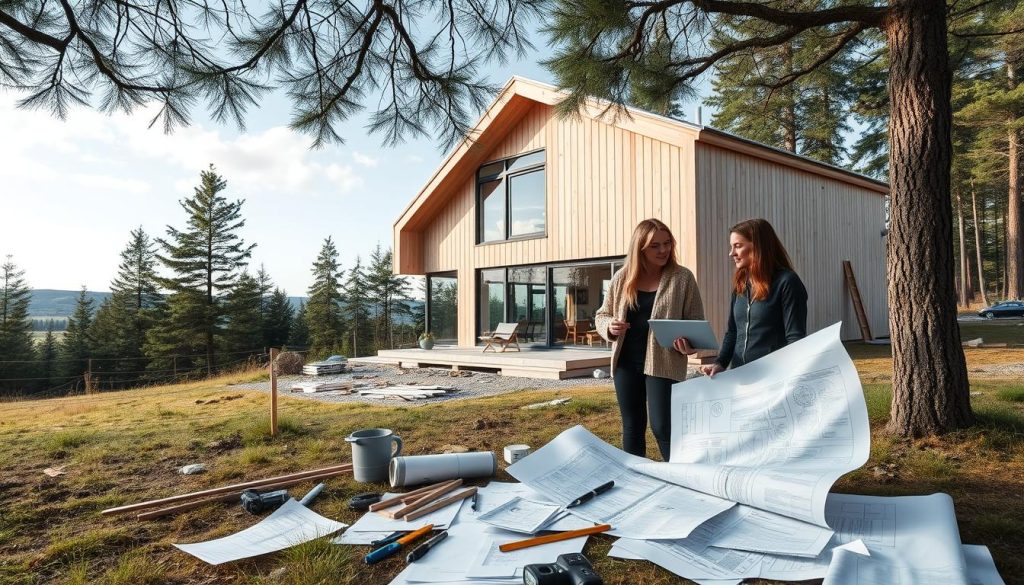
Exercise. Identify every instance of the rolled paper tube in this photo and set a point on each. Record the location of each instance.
(418, 469)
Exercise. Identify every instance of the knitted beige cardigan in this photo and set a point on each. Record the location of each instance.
(677, 298)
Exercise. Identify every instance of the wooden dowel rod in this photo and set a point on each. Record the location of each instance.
(424, 499)
(225, 489)
(233, 496)
(440, 504)
(398, 499)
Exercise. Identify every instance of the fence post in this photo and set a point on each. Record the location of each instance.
(273, 393)
(88, 377)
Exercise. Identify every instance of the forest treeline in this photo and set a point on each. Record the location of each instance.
(813, 115)
(188, 304)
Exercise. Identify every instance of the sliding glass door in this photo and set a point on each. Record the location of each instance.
(443, 307)
(554, 305)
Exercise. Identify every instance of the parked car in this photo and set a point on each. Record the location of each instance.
(1003, 309)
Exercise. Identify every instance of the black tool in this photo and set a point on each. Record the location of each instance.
(389, 538)
(591, 494)
(361, 502)
(424, 548)
(254, 502)
(569, 569)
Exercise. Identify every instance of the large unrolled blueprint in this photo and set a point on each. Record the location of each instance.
(774, 434)
(639, 506)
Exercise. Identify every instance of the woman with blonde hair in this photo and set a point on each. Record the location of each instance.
(768, 308)
(651, 285)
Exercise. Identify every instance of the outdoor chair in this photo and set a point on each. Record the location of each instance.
(504, 335)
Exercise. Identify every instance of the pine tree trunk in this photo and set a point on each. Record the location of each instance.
(1014, 245)
(931, 393)
(965, 270)
(977, 245)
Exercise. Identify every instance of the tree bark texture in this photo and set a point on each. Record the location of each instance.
(931, 393)
(977, 245)
(1014, 245)
(966, 294)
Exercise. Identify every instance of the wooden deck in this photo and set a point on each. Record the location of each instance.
(551, 364)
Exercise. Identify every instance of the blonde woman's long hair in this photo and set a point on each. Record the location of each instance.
(642, 236)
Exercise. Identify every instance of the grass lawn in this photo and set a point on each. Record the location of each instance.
(124, 447)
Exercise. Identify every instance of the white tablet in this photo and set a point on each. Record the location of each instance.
(699, 333)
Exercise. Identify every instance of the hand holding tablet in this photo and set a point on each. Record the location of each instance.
(698, 333)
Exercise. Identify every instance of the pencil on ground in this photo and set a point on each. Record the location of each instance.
(556, 537)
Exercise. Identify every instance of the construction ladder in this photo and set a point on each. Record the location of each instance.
(858, 305)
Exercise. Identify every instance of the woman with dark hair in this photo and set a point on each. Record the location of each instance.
(768, 309)
(650, 285)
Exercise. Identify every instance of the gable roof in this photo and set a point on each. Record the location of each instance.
(513, 102)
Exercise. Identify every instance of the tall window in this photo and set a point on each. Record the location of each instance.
(511, 200)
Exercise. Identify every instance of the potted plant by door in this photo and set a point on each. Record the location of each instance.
(427, 340)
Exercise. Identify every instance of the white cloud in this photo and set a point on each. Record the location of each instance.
(108, 183)
(362, 159)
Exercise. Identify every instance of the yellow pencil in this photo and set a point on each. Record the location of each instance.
(556, 537)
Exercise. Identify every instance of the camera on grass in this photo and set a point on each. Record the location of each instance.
(569, 569)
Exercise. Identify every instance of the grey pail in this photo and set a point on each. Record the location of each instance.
(371, 453)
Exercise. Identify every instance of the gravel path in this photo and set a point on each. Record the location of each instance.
(470, 385)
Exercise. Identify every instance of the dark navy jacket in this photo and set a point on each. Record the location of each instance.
(760, 327)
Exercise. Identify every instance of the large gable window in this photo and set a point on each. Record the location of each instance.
(511, 201)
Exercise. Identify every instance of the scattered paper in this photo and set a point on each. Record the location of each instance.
(289, 525)
(354, 537)
(638, 506)
(519, 515)
(981, 569)
(55, 471)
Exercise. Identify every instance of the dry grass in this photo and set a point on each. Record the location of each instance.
(125, 447)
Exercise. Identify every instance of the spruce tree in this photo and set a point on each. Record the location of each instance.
(124, 318)
(357, 311)
(76, 346)
(387, 294)
(205, 258)
(16, 349)
(277, 324)
(48, 352)
(243, 329)
(323, 310)
(298, 337)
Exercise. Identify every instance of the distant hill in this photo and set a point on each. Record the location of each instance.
(60, 304)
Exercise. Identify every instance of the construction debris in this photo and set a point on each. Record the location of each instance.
(192, 469)
(555, 402)
(336, 364)
(344, 387)
(55, 471)
(407, 392)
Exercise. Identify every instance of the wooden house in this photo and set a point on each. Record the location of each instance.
(529, 220)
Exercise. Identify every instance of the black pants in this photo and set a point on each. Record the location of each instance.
(639, 395)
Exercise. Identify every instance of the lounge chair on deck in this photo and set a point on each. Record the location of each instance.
(504, 335)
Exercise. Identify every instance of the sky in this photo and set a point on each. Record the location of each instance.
(72, 190)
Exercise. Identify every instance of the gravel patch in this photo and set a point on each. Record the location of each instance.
(468, 385)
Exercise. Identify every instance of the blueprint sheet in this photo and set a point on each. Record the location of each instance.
(638, 506)
(774, 434)
(289, 525)
(910, 539)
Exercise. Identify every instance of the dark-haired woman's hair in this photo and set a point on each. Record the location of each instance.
(767, 256)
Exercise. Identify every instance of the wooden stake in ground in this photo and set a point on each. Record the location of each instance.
(273, 393)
